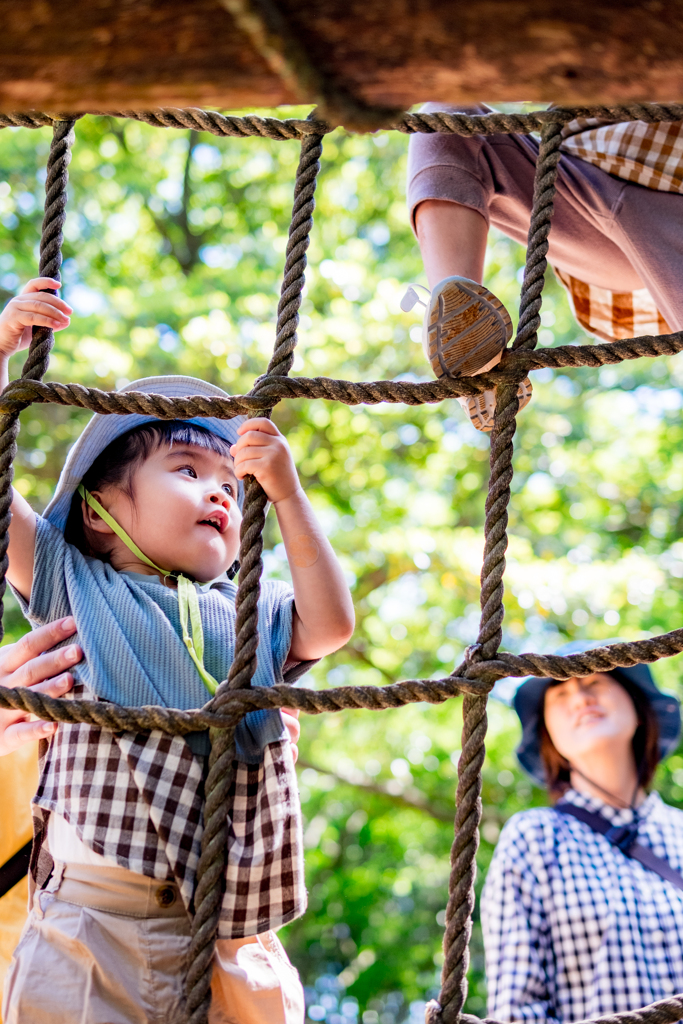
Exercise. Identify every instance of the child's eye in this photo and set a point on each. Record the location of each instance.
(229, 489)
(188, 469)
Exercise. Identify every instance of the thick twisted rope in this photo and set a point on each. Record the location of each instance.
(210, 882)
(21, 393)
(217, 808)
(51, 239)
(253, 522)
(600, 659)
(468, 797)
(539, 229)
(270, 389)
(474, 677)
(495, 525)
(460, 904)
(445, 122)
(42, 338)
(237, 703)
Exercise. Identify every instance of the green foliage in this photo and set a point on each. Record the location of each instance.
(174, 249)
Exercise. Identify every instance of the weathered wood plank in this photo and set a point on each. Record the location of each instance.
(123, 54)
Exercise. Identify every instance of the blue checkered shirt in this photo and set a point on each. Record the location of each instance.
(572, 927)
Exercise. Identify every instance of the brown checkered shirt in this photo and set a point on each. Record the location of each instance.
(138, 799)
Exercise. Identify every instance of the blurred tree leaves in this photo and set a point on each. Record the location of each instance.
(173, 254)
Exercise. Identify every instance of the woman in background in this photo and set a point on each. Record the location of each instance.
(582, 909)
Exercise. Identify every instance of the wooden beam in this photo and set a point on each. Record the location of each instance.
(61, 55)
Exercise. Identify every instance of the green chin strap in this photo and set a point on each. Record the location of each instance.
(188, 602)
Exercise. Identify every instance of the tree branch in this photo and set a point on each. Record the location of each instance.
(413, 797)
(184, 245)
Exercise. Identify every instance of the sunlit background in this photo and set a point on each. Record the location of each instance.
(174, 249)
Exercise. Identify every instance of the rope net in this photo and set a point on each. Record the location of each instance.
(484, 663)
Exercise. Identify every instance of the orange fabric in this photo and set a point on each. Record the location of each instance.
(612, 315)
(18, 781)
(255, 983)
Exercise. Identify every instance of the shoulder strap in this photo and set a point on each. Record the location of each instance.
(623, 837)
(14, 869)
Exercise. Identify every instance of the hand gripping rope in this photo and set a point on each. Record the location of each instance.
(483, 663)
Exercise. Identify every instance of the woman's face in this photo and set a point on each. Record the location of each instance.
(590, 715)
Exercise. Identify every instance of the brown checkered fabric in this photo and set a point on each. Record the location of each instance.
(612, 315)
(265, 878)
(138, 799)
(645, 154)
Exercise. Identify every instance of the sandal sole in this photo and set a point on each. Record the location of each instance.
(466, 328)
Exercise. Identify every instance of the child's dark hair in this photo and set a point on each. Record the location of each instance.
(645, 744)
(114, 467)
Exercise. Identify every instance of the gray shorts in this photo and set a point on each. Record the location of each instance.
(605, 231)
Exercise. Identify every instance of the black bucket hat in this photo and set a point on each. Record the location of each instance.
(528, 703)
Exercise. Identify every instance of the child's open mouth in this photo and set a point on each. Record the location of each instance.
(217, 519)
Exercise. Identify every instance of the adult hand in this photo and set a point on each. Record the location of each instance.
(25, 663)
(293, 727)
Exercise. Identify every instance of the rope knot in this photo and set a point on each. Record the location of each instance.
(474, 653)
(433, 1012)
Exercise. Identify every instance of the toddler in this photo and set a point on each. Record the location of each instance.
(139, 545)
(615, 241)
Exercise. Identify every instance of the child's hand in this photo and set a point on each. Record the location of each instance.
(323, 618)
(33, 307)
(263, 452)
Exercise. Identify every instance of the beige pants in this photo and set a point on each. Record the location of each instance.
(106, 946)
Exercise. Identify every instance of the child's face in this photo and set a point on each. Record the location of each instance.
(184, 517)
